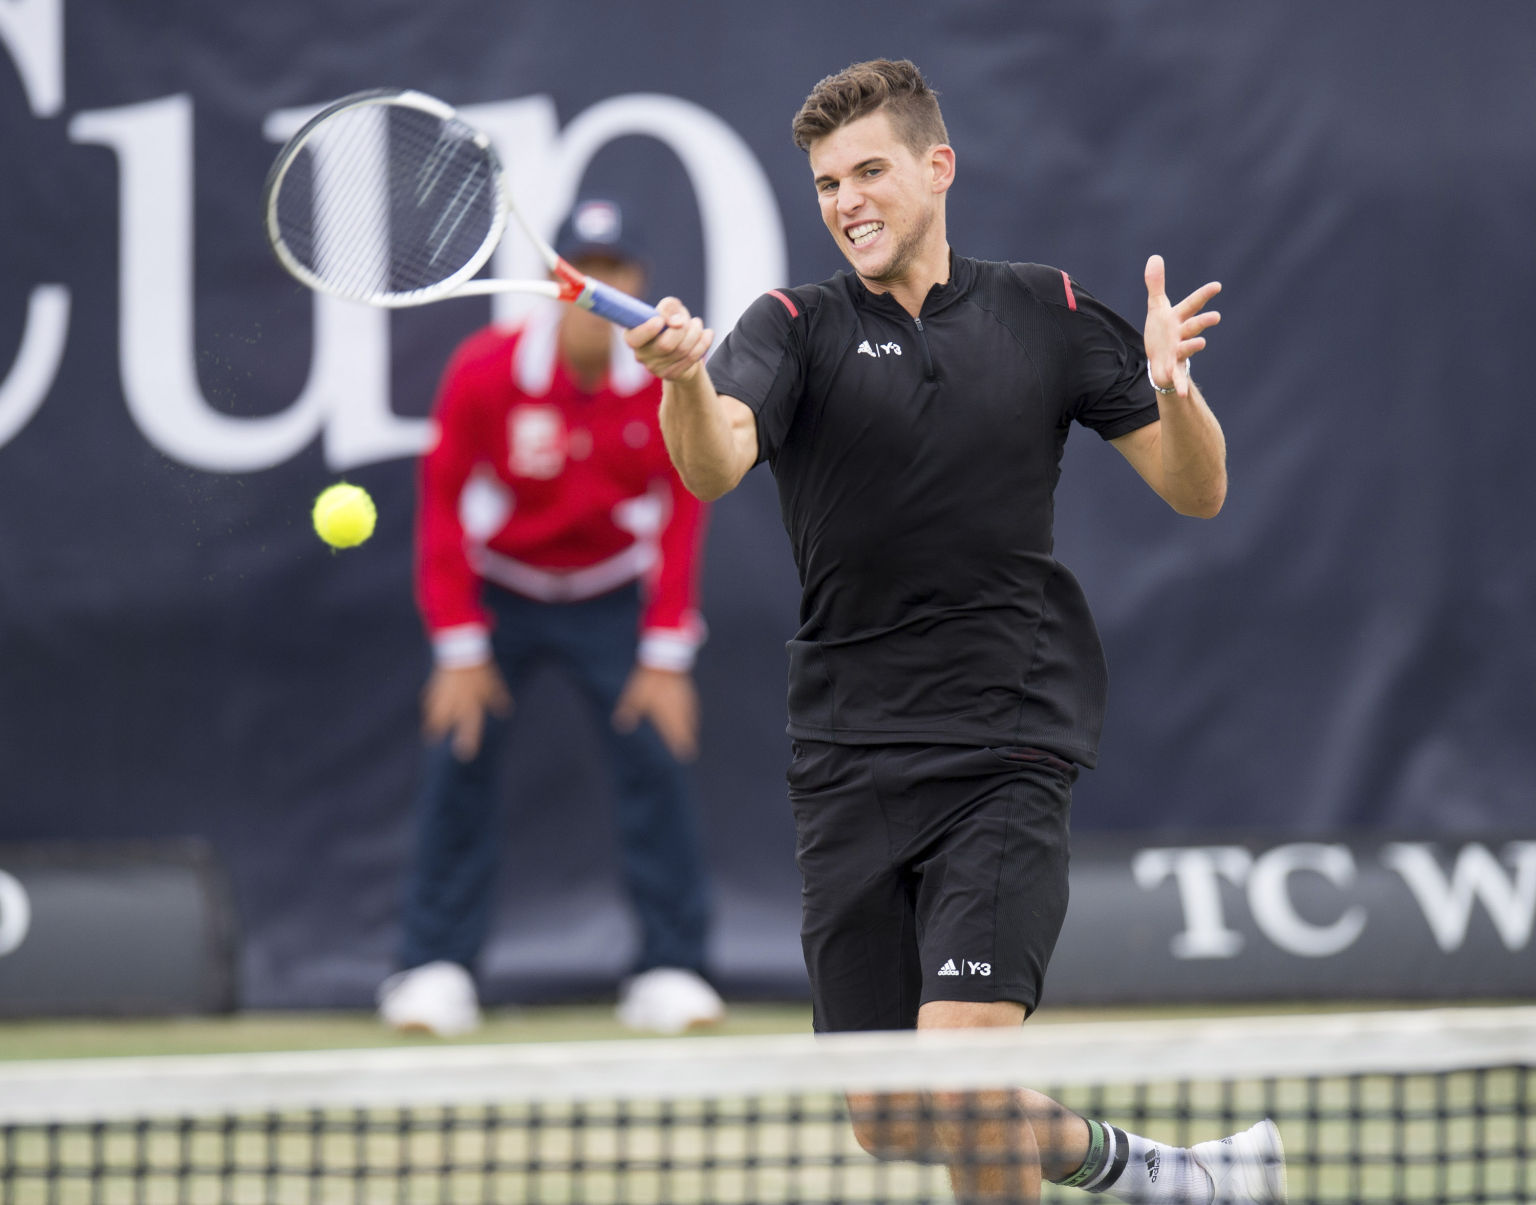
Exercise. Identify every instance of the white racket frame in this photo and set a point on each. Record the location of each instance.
(459, 283)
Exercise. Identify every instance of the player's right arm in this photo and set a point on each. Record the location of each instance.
(711, 437)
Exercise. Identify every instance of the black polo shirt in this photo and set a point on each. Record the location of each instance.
(916, 461)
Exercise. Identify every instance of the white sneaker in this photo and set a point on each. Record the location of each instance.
(1245, 1167)
(436, 998)
(668, 1000)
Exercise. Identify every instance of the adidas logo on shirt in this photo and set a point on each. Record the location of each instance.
(878, 349)
(949, 968)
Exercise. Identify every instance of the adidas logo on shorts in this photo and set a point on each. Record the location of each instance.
(949, 968)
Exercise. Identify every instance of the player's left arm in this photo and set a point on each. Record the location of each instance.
(1183, 457)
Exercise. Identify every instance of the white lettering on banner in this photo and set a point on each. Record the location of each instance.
(733, 192)
(32, 31)
(1269, 899)
(1195, 872)
(345, 400)
(15, 914)
(37, 360)
(1447, 902)
(153, 142)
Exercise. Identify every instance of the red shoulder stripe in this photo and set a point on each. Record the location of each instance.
(1066, 283)
(790, 305)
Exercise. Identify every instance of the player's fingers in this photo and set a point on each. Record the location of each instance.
(674, 340)
(673, 312)
(1154, 276)
(1196, 301)
(1164, 367)
(692, 343)
(638, 336)
(1191, 327)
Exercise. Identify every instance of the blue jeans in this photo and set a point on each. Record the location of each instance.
(451, 887)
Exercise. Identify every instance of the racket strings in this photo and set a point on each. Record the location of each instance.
(383, 202)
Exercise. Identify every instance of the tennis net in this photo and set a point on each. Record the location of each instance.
(1422, 1106)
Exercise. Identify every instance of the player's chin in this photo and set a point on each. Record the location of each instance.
(868, 267)
(879, 266)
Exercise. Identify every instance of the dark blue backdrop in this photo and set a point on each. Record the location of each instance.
(1350, 646)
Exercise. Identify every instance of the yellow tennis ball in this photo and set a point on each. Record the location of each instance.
(344, 515)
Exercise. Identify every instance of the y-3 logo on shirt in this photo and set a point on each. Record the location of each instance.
(965, 967)
(879, 349)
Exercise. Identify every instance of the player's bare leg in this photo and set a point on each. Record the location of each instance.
(998, 1139)
(1000, 1145)
(997, 1143)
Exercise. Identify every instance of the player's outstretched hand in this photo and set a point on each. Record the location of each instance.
(1175, 332)
(455, 703)
(669, 700)
(672, 345)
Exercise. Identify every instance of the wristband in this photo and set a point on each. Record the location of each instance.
(1158, 389)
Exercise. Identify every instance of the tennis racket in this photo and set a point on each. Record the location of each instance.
(390, 198)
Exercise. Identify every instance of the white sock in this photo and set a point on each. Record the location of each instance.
(1149, 1172)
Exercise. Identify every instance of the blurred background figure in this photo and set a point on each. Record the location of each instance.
(552, 529)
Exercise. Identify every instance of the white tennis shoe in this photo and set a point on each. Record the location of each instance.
(668, 1000)
(1249, 1166)
(437, 998)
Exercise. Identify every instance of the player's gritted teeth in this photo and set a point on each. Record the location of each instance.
(862, 233)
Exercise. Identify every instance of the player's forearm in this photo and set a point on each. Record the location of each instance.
(698, 434)
(1194, 455)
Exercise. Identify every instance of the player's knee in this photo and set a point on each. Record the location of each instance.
(891, 1126)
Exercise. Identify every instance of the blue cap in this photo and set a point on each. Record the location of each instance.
(598, 226)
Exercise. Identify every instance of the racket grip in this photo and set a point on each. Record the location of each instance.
(608, 302)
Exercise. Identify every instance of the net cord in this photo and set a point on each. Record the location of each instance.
(1210, 1049)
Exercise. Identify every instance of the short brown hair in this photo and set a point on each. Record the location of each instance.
(897, 87)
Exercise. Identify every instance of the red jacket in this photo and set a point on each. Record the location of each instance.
(553, 493)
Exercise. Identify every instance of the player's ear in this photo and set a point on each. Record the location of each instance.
(941, 163)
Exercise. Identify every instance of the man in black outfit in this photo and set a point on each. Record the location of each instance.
(947, 680)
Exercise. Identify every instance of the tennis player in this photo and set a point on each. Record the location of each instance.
(947, 682)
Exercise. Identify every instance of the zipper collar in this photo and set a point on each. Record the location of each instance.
(962, 275)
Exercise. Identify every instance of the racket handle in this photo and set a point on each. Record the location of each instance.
(608, 302)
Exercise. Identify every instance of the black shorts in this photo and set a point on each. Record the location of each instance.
(930, 872)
